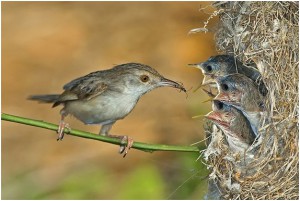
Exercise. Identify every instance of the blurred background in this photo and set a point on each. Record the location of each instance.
(47, 44)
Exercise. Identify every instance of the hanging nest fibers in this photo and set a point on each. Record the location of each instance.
(264, 33)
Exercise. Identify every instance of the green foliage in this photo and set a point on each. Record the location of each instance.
(144, 182)
(191, 183)
(183, 179)
(89, 184)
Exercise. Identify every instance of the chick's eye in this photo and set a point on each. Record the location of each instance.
(220, 105)
(144, 78)
(209, 68)
(224, 87)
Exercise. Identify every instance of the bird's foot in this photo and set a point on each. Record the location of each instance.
(126, 143)
(61, 127)
(125, 149)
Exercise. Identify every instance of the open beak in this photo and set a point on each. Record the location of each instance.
(224, 97)
(217, 118)
(208, 78)
(170, 83)
(199, 66)
(207, 100)
(209, 93)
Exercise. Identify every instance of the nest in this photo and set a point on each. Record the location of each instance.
(265, 33)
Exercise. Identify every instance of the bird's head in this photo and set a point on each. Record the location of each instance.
(231, 121)
(222, 115)
(140, 79)
(239, 91)
(229, 91)
(216, 66)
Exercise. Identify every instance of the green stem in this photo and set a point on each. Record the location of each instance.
(78, 133)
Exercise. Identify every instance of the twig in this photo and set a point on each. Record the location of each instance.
(78, 133)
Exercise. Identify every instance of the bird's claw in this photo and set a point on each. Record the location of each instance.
(61, 127)
(125, 148)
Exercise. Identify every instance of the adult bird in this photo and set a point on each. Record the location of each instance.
(106, 96)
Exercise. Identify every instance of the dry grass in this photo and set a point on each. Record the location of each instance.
(266, 33)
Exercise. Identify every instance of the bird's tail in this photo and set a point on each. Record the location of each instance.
(48, 98)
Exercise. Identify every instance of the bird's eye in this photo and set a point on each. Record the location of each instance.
(208, 68)
(144, 78)
(224, 87)
(220, 105)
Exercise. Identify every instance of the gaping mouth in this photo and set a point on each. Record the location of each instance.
(227, 100)
(166, 82)
(208, 77)
(215, 117)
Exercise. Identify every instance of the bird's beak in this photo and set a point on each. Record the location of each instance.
(198, 65)
(225, 97)
(170, 83)
(217, 118)
(208, 79)
(208, 100)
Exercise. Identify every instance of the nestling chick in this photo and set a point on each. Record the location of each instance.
(104, 97)
(241, 92)
(222, 65)
(234, 125)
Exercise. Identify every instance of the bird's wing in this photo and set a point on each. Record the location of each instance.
(87, 87)
(83, 88)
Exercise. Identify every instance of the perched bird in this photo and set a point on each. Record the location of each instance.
(242, 93)
(222, 65)
(104, 97)
(234, 125)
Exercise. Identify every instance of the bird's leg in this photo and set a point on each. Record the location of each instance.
(123, 149)
(62, 125)
(105, 129)
(129, 145)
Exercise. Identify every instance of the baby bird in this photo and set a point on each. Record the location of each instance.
(104, 97)
(222, 65)
(234, 125)
(242, 93)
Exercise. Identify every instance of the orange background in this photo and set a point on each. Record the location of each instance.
(45, 45)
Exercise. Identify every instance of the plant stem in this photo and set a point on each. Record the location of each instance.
(78, 133)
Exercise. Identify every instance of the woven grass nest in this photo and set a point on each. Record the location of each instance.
(265, 33)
